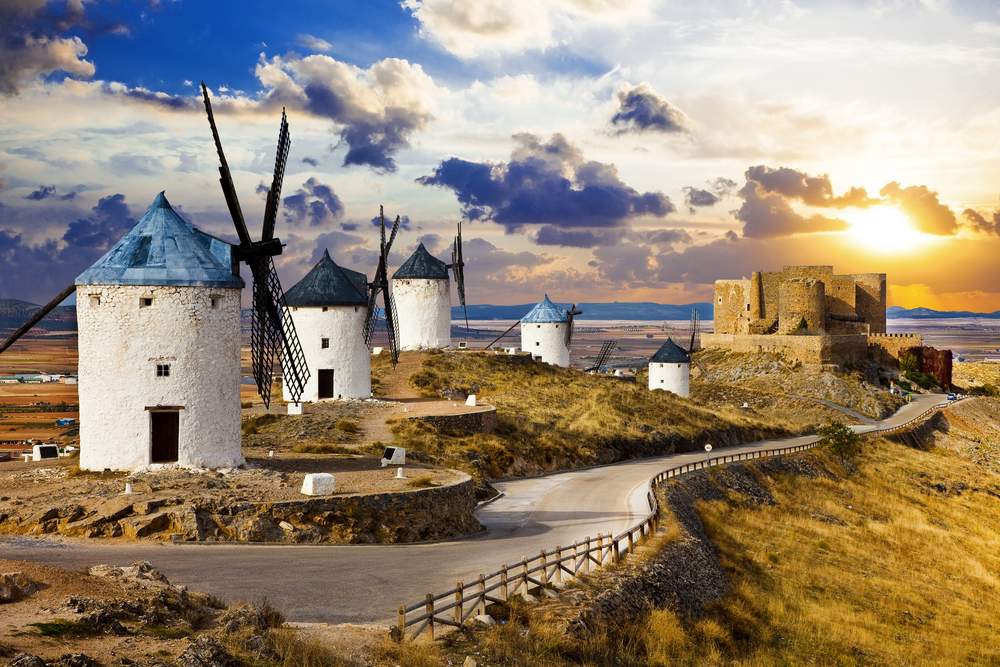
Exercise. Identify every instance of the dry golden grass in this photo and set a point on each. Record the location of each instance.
(553, 417)
(895, 564)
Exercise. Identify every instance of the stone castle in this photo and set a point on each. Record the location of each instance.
(809, 315)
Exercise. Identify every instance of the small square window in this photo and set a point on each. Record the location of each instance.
(324, 343)
(162, 370)
(536, 343)
(95, 301)
(145, 302)
(324, 309)
(212, 303)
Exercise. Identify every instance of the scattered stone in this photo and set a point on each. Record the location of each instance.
(287, 526)
(15, 586)
(102, 622)
(318, 484)
(242, 618)
(549, 594)
(26, 660)
(206, 652)
(74, 660)
(485, 619)
(470, 662)
(529, 598)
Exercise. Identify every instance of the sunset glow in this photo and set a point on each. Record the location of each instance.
(582, 166)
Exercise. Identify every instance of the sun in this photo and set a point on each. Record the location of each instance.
(884, 228)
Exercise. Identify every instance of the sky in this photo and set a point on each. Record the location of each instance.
(594, 150)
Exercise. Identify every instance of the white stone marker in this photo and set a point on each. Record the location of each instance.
(471, 401)
(318, 484)
(295, 408)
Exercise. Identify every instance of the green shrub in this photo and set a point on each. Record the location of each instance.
(346, 425)
(908, 362)
(985, 390)
(841, 439)
(903, 384)
(922, 380)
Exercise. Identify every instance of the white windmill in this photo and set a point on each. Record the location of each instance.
(329, 307)
(547, 332)
(670, 369)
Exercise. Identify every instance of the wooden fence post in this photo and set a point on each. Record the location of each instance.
(559, 564)
(545, 570)
(459, 595)
(576, 558)
(429, 609)
(616, 555)
(503, 582)
(401, 624)
(524, 573)
(482, 593)
(631, 544)
(586, 558)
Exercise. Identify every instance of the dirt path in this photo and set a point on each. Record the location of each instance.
(405, 400)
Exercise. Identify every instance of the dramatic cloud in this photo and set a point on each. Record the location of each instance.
(770, 215)
(641, 109)
(810, 190)
(549, 184)
(32, 42)
(376, 110)
(39, 272)
(43, 192)
(315, 201)
(312, 162)
(592, 238)
(923, 208)
(699, 197)
(404, 223)
(981, 224)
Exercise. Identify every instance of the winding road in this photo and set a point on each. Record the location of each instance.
(365, 583)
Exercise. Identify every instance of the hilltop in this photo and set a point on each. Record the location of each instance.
(14, 313)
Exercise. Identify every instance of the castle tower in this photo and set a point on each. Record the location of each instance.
(328, 307)
(756, 290)
(421, 295)
(802, 298)
(543, 333)
(670, 369)
(159, 339)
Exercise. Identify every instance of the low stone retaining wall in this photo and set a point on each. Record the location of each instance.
(410, 516)
(484, 421)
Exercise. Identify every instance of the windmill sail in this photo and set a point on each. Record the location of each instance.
(37, 317)
(272, 333)
(569, 323)
(458, 268)
(381, 286)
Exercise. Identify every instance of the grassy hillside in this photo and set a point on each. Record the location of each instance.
(553, 418)
(889, 560)
(771, 374)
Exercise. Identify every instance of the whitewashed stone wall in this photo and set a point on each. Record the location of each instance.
(670, 377)
(547, 339)
(120, 345)
(424, 313)
(347, 356)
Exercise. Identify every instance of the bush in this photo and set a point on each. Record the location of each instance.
(841, 439)
(985, 390)
(923, 380)
(253, 425)
(346, 425)
(908, 362)
(246, 404)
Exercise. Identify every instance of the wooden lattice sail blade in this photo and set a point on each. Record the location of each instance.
(274, 194)
(294, 369)
(226, 178)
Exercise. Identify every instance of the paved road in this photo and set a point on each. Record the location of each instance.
(365, 584)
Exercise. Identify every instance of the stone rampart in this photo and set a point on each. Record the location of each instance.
(468, 423)
(810, 350)
(887, 348)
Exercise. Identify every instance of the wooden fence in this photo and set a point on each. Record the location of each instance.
(466, 600)
(456, 606)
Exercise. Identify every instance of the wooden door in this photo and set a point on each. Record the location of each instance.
(166, 430)
(326, 383)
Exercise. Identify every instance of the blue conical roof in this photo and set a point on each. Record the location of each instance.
(162, 249)
(670, 353)
(326, 284)
(545, 311)
(422, 265)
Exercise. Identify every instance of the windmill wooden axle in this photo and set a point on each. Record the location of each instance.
(268, 248)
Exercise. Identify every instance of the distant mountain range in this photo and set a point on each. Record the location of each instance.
(618, 310)
(897, 313)
(14, 313)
